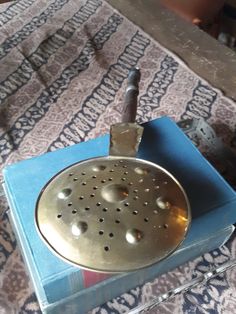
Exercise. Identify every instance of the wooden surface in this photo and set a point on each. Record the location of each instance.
(4, 1)
(203, 54)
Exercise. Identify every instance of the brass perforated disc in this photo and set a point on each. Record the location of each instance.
(113, 214)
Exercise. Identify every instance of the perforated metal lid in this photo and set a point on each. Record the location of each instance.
(113, 214)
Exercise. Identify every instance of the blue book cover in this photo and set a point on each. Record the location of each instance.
(212, 200)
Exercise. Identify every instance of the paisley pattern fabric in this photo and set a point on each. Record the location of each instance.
(63, 66)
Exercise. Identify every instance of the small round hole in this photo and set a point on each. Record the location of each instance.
(101, 219)
(69, 204)
(111, 235)
(118, 209)
(84, 183)
(103, 181)
(123, 179)
(87, 208)
(146, 219)
(126, 172)
(136, 197)
(140, 180)
(94, 177)
(130, 183)
(145, 203)
(146, 190)
(135, 212)
(75, 179)
(117, 221)
(115, 165)
(155, 211)
(124, 166)
(126, 204)
(81, 197)
(92, 195)
(98, 204)
(110, 179)
(112, 170)
(105, 209)
(71, 174)
(74, 211)
(83, 173)
(59, 215)
(101, 232)
(106, 248)
(95, 187)
(120, 161)
(165, 226)
(135, 191)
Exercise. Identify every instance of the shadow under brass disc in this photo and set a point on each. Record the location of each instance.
(113, 214)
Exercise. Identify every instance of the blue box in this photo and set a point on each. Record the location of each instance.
(62, 288)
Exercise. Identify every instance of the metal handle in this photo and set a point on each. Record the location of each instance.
(131, 96)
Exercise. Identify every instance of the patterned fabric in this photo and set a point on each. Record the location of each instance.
(63, 66)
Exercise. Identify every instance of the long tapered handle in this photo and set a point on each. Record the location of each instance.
(126, 136)
(131, 96)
